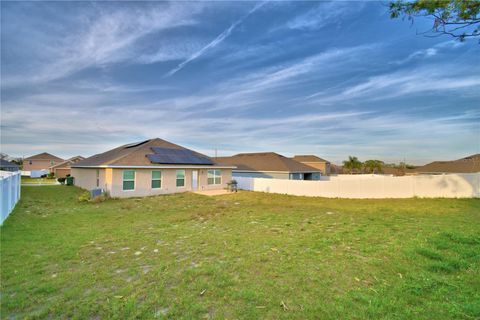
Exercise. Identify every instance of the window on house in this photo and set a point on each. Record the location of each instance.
(30, 162)
(128, 179)
(52, 162)
(156, 179)
(180, 178)
(214, 177)
(98, 178)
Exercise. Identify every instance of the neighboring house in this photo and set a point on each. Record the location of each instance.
(62, 169)
(148, 168)
(335, 169)
(470, 164)
(41, 161)
(315, 162)
(8, 166)
(269, 165)
(394, 171)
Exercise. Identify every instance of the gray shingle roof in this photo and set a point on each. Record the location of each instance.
(133, 154)
(265, 161)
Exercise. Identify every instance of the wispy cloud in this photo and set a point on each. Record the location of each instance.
(175, 49)
(403, 83)
(102, 38)
(424, 53)
(326, 13)
(221, 37)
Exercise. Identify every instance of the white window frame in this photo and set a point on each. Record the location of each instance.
(123, 180)
(151, 181)
(214, 177)
(184, 178)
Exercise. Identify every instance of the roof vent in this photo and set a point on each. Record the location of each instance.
(136, 144)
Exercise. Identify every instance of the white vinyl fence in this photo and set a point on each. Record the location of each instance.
(374, 186)
(10, 188)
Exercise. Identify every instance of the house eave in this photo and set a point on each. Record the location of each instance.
(156, 167)
(270, 171)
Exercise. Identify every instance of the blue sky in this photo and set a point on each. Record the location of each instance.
(332, 79)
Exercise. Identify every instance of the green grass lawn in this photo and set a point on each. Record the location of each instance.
(28, 180)
(240, 256)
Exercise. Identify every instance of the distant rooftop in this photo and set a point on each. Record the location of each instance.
(44, 156)
(470, 164)
(309, 158)
(265, 161)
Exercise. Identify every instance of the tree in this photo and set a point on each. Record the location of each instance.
(352, 164)
(457, 18)
(373, 166)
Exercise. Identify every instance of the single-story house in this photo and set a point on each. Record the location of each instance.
(41, 161)
(470, 164)
(315, 162)
(150, 167)
(62, 169)
(269, 165)
(8, 166)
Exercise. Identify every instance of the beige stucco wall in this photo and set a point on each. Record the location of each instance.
(37, 164)
(112, 181)
(87, 178)
(61, 172)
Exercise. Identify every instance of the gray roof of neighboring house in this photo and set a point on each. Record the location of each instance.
(134, 154)
(44, 156)
(67, 163)
(470, 164)
(308, 158)
(264, 162)
(8, 164)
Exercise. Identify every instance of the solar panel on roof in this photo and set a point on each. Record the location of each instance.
(177, 156)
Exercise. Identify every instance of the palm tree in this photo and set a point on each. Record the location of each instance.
(373, 166)
(352, 164)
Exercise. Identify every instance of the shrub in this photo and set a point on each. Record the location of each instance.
(61, 180)
(84, 197)
(51, 175)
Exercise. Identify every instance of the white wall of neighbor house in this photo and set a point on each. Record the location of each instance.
(428, 186)
(258, 174)
(112, 180)
(276, 175)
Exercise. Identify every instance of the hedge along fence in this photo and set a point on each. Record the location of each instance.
(10, 188)
(365, 187)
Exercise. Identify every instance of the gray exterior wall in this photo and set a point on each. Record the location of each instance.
(274, 175)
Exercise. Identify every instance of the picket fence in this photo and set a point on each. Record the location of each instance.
(10, 188)
(374, 186)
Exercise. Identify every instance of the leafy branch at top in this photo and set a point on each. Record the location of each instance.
(457, 18)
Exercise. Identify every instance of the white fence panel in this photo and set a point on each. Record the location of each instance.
(10, 188)
(361, 187)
